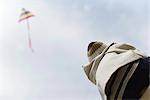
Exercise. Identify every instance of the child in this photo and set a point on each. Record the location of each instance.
(119, 70)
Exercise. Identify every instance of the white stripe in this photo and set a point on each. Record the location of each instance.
(130, 73)
(117, 81)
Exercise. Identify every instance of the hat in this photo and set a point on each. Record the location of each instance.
(94, 49)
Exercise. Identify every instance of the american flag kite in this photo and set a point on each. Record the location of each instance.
(25, 15)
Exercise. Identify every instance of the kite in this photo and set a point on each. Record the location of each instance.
(25, 15)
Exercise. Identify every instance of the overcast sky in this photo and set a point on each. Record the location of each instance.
(60, 32)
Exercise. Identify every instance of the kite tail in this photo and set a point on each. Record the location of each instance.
(29, 38)
(30, 44)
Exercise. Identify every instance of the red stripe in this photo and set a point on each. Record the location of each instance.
(24, 13)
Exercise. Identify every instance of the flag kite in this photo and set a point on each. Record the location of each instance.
(25, 15)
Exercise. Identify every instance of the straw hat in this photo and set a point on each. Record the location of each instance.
(94, 49)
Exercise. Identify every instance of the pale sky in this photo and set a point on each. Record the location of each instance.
(60, 32)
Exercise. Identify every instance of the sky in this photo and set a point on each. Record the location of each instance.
(61, 31)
